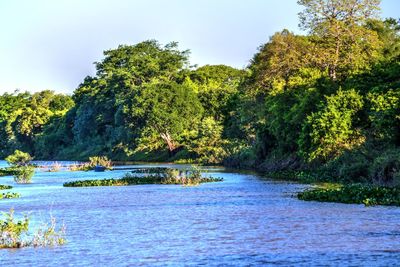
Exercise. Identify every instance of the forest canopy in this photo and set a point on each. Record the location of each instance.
(327, 100)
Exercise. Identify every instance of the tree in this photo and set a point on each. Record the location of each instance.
(281, 58)
(326, 134)
(19, 159)
(388, 31)
(21, 167)
(215, 85)
(169, 110)
(23, 117)
(208, 143)
(344, 43)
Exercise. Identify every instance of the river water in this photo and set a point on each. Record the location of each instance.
(244, 220)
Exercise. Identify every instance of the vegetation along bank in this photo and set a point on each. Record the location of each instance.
(324, 106)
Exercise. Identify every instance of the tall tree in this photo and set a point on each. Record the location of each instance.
(170, 111)
(338, 26)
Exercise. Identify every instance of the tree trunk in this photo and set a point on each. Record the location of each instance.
(170, 143)
(333, 67)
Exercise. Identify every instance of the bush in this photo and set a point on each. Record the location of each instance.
(385, 169)
(14, 233)
(23, 174)
(326, 134)
(19, 158)
(21, 167)
(55, 167)
(48, 235)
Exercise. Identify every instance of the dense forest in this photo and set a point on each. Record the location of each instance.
(327, 101)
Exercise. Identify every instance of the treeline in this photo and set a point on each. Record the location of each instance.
(327, 101)
(145, 103)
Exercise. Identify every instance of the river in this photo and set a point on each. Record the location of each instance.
(244, 220)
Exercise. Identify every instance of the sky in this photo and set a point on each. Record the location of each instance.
(47, 44)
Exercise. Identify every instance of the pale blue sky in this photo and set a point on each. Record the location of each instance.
(48, 44)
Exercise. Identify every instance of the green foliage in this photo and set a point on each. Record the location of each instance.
(48, 235)
(209, 145)
(329, 132)
(343, 44)
(169, 110)
(21, 167)
(6, 171)
(385, 168)
(5, 187)
(23, 174)
(384, 114)
(354, 194)
(14, 233)
(23, 117)
(324, 105)
(100, 161)
(8, 195)
(19, 159)
(153, 176)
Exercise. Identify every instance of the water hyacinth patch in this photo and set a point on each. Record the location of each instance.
(5, 187)
(167, 176)
(354, 194)
(9, 195)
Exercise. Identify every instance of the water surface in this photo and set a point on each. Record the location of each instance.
(244, 220)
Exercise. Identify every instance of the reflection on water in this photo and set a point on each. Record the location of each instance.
(244, 220)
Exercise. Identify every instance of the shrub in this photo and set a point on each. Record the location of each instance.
(19, 158)
(14, 233)
(23, 174)
(326, 134)
(5, 172)
(21, 167)
(385, 169)
(48, 235)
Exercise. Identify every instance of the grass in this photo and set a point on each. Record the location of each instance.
(368, 195)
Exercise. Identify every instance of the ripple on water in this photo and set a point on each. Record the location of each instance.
(244, 220)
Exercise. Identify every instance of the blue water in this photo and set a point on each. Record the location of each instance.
(244, 220)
